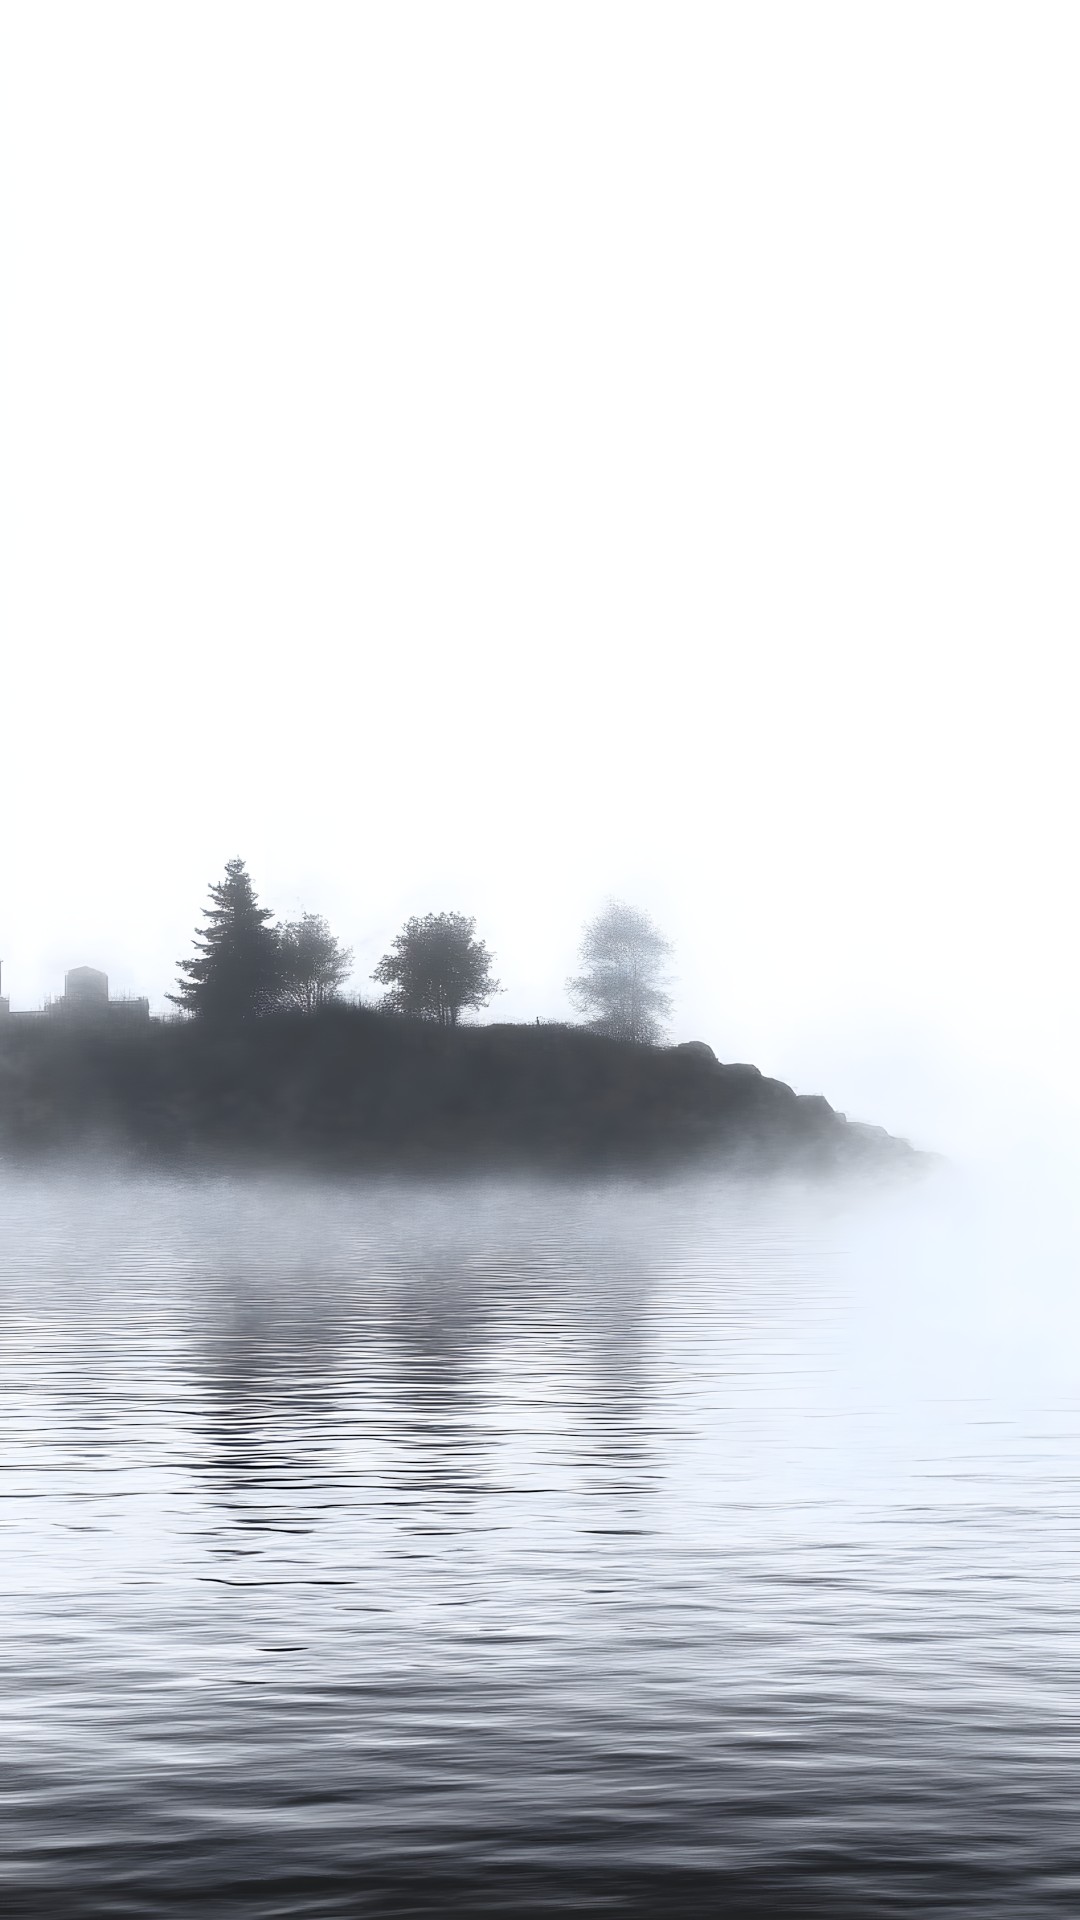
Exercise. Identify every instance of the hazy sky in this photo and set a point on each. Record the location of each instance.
(494, 456)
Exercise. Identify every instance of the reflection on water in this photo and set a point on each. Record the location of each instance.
(626, 1549)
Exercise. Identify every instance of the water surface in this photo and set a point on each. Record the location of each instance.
(624, 1549)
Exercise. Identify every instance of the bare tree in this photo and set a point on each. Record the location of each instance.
(311, 964)
(435, 967)
(621, 985)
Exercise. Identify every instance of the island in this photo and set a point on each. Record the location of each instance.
(266, 1061)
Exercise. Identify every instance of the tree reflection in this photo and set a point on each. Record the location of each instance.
(458, 1357)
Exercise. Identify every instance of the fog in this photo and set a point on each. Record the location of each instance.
(677, 1546)
(497, 458)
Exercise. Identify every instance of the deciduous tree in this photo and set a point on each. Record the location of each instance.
(621, 985)
(436, 967)
(311, 963)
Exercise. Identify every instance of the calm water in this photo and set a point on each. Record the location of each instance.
(510, 1550)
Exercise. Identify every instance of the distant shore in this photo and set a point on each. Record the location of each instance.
(354, 1088)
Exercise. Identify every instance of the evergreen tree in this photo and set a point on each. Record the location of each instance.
(235, 975)
(436, 967)
(621, 985)
(311, 964)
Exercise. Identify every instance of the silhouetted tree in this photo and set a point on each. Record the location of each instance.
(235, 975)
(435, 967)
(621, 986)
(311, 964)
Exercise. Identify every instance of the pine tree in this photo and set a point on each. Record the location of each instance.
(235, 974)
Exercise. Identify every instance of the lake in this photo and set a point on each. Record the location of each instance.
(638, 1548)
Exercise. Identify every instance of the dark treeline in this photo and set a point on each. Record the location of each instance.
(243, 968)
(273, 1065)
(436, 968)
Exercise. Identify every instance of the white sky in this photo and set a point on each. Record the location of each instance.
(492, 456)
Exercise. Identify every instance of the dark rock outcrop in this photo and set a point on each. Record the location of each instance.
(698, 1050)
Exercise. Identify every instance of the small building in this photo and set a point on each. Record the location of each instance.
(86, 991)
(86, 998)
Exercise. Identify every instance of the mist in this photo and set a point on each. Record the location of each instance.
(523, 1544)
(539, 1050)
(495, 460)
